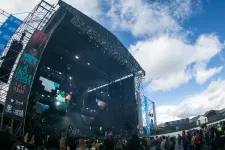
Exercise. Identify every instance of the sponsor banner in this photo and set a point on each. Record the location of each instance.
(7, 30)
(19, 89)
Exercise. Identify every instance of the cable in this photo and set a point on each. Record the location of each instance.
(21, 13)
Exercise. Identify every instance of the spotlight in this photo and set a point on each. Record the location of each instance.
(108, 94)
(91, 110)
(101, 92)
(48, 68)
(76, 57)
(88, 64)
(48, 96)
(60, 73)
(87, 108)
(57, 103)
(42, 95)
(70, 78)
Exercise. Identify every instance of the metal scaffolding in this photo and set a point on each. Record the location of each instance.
(139, 78)
(36, 20)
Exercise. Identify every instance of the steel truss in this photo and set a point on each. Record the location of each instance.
(139, 78)
(130, 67)
(36, 20)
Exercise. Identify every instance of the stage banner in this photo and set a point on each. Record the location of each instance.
(19, 89)
(7, 30)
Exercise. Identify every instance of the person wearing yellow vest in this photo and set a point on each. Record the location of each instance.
(219, 128)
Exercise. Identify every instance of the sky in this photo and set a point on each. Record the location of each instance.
(179, 43)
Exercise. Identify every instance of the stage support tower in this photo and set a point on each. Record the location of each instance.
(139, 78)
(36, 20)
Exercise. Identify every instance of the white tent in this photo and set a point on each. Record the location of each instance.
(201, 120)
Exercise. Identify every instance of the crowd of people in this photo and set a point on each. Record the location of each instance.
(210, 137)
(207, 138)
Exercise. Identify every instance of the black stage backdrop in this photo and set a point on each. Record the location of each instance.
(19, 89)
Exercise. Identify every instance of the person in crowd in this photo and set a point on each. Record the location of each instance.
(82, 145)
(119, 145)
(134, 144)
(29, 137)
(193, 141)
(167, 144)
(218, 139)
(172, 143)
(94, 145)
(163, 143)
(207, 136)
(179, 140)
(184, 140)
(197, 141)
(109, 144)
(189, 139)
(62, 142)
(158, 143)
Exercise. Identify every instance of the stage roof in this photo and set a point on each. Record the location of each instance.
(92, 63)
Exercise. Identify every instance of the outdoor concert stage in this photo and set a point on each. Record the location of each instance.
(86, 77)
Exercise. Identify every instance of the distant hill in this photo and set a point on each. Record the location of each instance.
(212, 113)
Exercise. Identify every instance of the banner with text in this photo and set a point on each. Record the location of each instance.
(7, 30)
(19, 89)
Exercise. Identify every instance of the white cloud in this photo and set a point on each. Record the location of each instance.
(167, 60)
(202, 74)
(211, 98)
(165, 52)
(149, 18)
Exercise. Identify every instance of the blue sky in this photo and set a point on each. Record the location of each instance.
(208, 21)
(180, 44)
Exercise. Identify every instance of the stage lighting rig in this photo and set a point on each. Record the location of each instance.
(53, 72)
(131, 66)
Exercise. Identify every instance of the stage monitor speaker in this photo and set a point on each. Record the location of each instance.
(9, 60)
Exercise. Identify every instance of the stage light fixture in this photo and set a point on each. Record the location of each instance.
(60, 73)
(42, 95)
(108, 94)
(57, 103)
(48, 68)
(88, 64)
(101, 92)
(76, 57)
(48, 96)
(70, 78)
(87, 108)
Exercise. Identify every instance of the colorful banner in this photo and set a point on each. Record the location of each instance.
(17, 97)
(7, 30)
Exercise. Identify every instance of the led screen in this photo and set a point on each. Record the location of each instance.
(48, 84)
(44, 107)
(62, 99)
